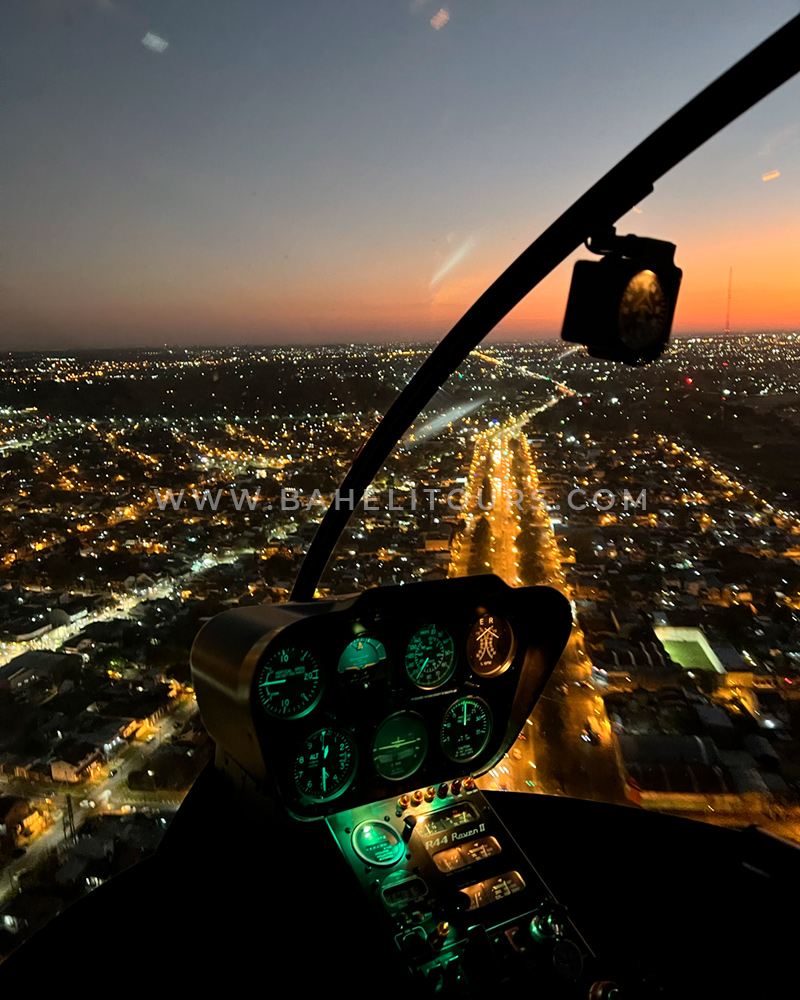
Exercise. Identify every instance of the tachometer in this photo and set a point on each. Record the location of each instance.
(466, 728)
(430, 657)
(325, 765)
(289, 683)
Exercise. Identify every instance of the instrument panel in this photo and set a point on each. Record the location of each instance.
(463, 904)
(344, 702)
(375, 713)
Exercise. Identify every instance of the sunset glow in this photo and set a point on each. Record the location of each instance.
(173, 180)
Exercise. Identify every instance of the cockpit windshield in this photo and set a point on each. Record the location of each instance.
(233, 235)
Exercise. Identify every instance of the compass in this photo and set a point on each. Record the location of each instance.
(621, 307)
(490, 646)
(643, 314)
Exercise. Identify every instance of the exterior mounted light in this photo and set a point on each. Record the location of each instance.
(621, 307)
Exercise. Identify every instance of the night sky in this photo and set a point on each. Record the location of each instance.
(326, 171)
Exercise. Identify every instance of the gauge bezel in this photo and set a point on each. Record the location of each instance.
(383, 826)
(356, 671)
(261, 670)
(473, 756)
(420, 761)
(501, 668)
(451, 669)
(324, 799)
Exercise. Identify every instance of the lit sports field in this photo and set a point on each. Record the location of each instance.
(688, 654)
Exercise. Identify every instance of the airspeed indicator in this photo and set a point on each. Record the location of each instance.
(289, 683)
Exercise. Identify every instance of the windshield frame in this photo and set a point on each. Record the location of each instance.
(755, 76)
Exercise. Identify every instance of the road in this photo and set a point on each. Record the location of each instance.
(554, 757)
(121, 606)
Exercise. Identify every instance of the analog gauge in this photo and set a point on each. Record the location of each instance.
(360, 654)
(289, 683)
(325, 765)
(490, 646)
(377, 843)
(400, 745)
(430, 657)
(643, 311)
(466, 728)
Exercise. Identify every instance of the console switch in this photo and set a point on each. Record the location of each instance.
(547, 924)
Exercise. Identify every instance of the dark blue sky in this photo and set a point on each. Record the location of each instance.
(311, 170)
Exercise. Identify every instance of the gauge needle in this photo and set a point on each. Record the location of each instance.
(324, 778)
(267, 683)
(465, 713)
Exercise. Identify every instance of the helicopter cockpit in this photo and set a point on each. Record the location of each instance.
(374, 713)
(352, 731)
